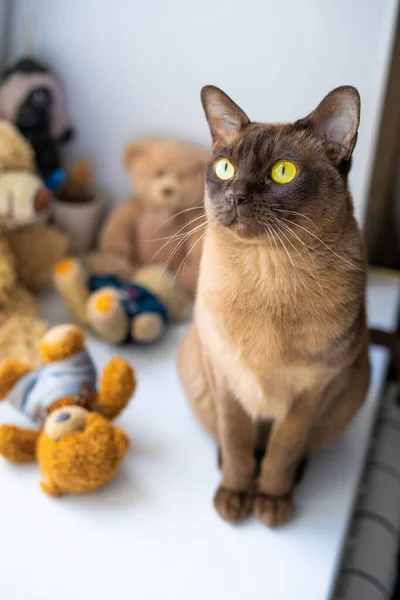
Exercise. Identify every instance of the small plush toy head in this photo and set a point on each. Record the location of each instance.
(24, 199)
(32, 98)
(79, 451)
(166, 174)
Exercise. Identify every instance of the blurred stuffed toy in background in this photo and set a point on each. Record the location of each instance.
(32, 99)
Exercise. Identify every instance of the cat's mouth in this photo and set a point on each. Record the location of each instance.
(242, 221)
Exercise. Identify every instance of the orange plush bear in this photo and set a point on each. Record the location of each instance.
(77, 446)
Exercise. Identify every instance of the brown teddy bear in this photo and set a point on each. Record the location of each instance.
(29, 246)
(75, 443)
(164, 222)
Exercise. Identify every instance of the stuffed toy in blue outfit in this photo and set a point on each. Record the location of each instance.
(118, 310)
(134, 299)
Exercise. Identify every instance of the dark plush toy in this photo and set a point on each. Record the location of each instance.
(31, 98)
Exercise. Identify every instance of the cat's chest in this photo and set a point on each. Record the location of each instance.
(252, 362)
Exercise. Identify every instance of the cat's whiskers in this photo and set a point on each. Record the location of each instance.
(324, 244)
(287, 253)
(184, 261)
(184, 239)
(180, 244)
(293, 212)
(174, 216)
(294, 234)
(176, 237)
(314, 274)
(271, 236)
(297, 270)
(178, 231)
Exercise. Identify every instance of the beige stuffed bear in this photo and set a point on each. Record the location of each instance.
(24, 210)
(28, 247)
(164, 222)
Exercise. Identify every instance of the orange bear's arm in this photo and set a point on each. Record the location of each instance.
(18, 445)
(117, 385)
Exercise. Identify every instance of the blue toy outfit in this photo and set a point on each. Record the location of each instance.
(135, 299)
(39, 389)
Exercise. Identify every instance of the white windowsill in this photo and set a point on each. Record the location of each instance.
(153, 533)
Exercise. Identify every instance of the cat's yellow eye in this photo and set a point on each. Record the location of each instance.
(283, 172)
(224, 169)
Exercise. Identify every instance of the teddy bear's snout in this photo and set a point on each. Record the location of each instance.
(168, 191)
(65, 420)
(62, 416)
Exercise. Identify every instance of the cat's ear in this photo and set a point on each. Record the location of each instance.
(224, 117)
(335, 121)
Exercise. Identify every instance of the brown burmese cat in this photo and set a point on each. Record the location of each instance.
(279, 339)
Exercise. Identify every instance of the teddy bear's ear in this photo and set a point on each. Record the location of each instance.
(133, 150)
(198, 158)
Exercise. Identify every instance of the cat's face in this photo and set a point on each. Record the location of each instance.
(263, 178)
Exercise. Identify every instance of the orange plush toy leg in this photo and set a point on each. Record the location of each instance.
(10, 372)
(18, 445)
(117, 386)
(61, 342)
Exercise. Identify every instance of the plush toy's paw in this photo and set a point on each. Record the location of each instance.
(70, 280)
(273, 511)
(232, 506)
(10, 372)
(116, 387)
(67, 268)
(147, 327)
(50, 489)
(107, 316)
(18, 445)
(61, 342)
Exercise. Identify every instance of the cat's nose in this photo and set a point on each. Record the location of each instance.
(236, 199)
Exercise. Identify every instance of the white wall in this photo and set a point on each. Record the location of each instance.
(134, 67)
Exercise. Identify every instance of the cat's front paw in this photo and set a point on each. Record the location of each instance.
(273, 510)
(232, 506)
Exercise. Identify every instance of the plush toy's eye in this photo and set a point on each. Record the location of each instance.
(283, 172)
(160, 173)
(224, 169)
